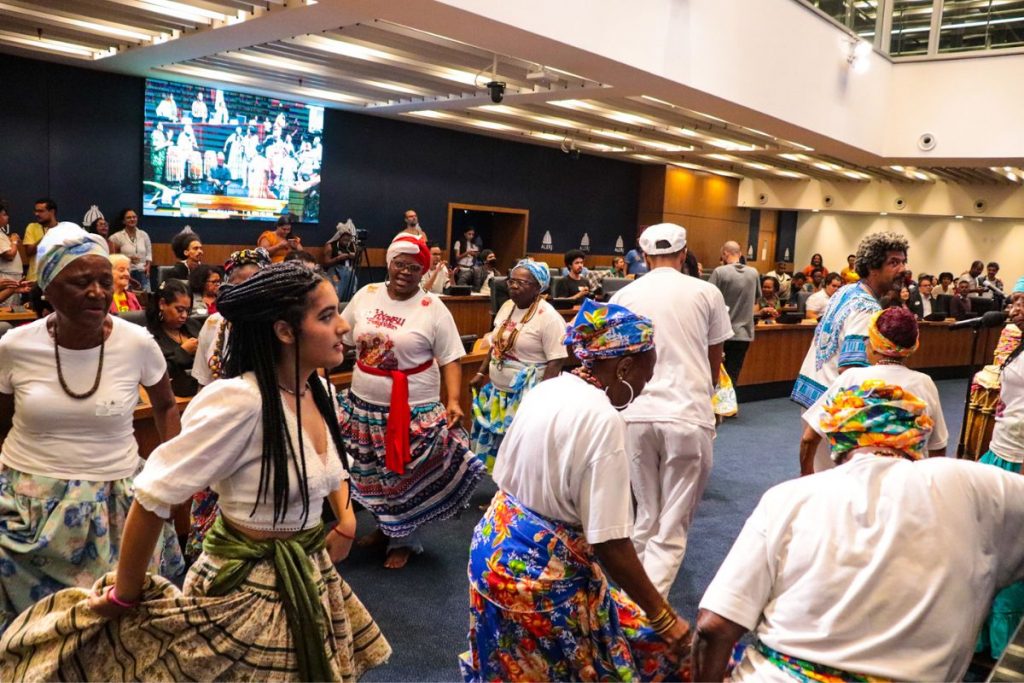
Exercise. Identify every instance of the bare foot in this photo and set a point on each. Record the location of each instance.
(398, 558)
(374, 538)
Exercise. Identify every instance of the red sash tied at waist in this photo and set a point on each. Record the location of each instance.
(396, 436)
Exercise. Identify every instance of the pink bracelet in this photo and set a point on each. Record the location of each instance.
(112, 596)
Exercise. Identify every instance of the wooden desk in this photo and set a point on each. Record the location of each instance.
(17, 318)
(472, 313)
(145, 430)
(778, 351)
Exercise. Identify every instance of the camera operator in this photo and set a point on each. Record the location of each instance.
(341, 255)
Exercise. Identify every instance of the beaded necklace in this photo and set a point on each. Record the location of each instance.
(60, 371)
(503, 346)
(584, 374)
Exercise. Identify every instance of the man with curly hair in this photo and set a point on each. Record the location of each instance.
(840, 338)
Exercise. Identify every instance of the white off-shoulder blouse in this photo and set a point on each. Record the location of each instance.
(220, 446)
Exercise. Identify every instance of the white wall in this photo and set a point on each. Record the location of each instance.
(936, 244)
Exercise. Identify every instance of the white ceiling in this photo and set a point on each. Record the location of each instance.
(387, 58)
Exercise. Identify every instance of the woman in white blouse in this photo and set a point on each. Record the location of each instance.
(133, 242)
(69, 384)
(526, 348)
(411, 462)
(541, 608)
(264, 599)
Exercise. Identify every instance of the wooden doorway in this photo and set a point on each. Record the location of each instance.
(502, 229)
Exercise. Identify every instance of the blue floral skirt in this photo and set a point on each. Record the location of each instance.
(1008, 604)
(493, 410)
(59, 533)
(540, 608)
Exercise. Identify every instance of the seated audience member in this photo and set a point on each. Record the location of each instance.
(636, 262)
(189, 249)
(439, 276)
(280, 241)
(946, 284)
(990, 281)
(904, 300)
(467, 252)
(124, 299)
(908, 280)
(836, 574)
(893, 336)
(817, 302)
(167, 318)
(974, 277)
(922, 301)
(618, 268)
(816, 262)
(783, 277)
(849, 273)
(960, 304)
(204, 282)
(305, 258)
(220, 176)
(817, 281)
(485, 272)
(574, 285)
(797, 285)
(768, 305)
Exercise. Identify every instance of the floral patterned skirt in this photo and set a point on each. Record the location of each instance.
(541, 608)
(59, 533)
(437, 483)
(493, 410)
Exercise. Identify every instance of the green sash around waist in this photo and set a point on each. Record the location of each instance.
(294, 572)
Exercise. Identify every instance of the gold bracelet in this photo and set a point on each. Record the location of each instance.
(665, 616)
(667, 627)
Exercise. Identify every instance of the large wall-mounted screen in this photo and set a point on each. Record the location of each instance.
(213, 153)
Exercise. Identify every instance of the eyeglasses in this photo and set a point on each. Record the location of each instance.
(411, 267)
(519, 282)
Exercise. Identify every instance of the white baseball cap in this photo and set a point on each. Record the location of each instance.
(663, 238)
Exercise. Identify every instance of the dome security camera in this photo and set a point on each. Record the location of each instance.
(497, 91)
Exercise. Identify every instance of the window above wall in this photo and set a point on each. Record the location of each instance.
(930, 29)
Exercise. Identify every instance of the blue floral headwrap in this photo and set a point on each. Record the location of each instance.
(538, 270)
(602, 331)
(63, 244)
(1019, 287)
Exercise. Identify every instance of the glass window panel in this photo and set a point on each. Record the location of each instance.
(858, 15)
(911, 23)
(981, 25)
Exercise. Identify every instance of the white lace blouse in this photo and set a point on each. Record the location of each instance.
(220, 446)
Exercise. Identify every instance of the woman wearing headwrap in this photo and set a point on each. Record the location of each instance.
(1006, 451)
(263, 601)
(526, 348)
(540, 606)
(411, 462)
(892, 338)
(69, 384)
(879, 569)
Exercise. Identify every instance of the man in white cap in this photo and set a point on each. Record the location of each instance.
(670, 427)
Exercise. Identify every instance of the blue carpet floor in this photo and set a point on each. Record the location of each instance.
(422, 609)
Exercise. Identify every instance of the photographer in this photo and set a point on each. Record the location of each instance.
(340, 258)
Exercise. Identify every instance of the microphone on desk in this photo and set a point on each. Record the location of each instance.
(989, 319)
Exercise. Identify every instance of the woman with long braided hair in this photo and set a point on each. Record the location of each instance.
(264, 599)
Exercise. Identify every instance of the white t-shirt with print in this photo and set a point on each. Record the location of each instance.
(880, 566)
(564, 457)
(539, 340)
(1008, 434)
(54, 435)
(917, 383)
(400, 335)
(689, 315)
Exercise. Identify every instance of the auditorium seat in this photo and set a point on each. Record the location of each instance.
(162, 272)
(610, 285)
(137, 317)
(499, 294)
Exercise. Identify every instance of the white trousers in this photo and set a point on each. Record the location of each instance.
(669, 466)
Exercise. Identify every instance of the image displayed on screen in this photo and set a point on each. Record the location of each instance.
(213, 153)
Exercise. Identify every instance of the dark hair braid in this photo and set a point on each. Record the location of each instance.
(279, 292)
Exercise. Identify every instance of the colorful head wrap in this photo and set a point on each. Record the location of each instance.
(258, 257)
(1019, 287)
(61, 245)
(876, 414)
(538, 270)
(892, 319)
(602, 331)
(407, 244)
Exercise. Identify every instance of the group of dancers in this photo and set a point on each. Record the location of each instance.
(562, 586)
